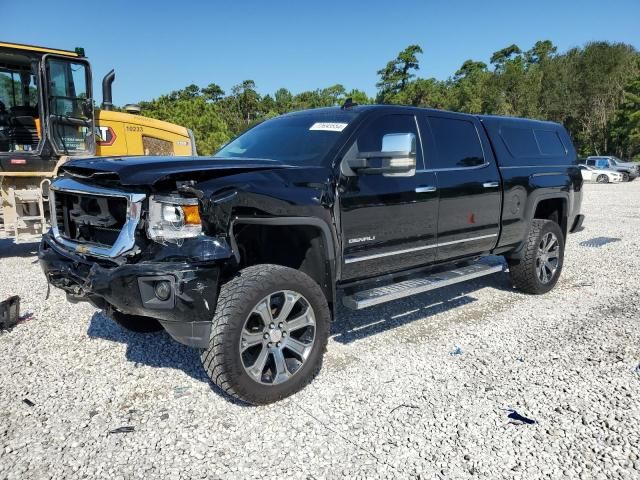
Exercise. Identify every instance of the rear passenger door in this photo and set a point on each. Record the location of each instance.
(468, 184)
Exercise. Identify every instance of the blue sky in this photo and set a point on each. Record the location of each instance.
(159, 46)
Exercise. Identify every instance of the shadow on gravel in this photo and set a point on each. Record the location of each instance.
(156, 350)
(10, 249)
(355, 325)
(598, 242)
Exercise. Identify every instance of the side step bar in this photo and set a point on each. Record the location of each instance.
(421, 284)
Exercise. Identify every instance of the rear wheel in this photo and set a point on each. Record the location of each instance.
(539, 269)
(269, 334)
(135, 323)
(602, 179)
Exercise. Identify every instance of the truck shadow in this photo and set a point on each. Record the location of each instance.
(9, 249)
(351, 326)
(159, 350)
(156, 350)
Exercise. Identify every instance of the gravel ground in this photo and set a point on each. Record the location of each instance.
(423, 388)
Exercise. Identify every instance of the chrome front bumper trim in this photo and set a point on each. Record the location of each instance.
(126, 239)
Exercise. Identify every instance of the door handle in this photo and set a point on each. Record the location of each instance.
(491, 184)
(426, 189)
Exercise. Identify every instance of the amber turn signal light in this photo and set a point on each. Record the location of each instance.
(191, 215)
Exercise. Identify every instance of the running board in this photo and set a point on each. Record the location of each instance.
(425, 283)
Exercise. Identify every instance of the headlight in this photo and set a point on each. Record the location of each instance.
(172, 218)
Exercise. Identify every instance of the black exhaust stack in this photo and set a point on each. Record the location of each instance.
(107, 98)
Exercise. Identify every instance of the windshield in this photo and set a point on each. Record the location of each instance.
(296, 139)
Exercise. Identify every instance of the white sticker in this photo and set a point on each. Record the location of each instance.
(328, 126)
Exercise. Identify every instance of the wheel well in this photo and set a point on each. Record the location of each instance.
(302, 247)
(554, 209)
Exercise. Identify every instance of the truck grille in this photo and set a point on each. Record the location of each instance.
(90, 219)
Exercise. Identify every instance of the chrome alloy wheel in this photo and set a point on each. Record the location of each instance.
(548, 258)
(277, 337)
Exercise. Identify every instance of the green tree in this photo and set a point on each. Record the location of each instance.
(625, 133)
(593, 90)
(213, 92)
(397, 73)
(190, 109)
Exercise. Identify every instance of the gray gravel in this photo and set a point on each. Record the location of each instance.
(417, 388)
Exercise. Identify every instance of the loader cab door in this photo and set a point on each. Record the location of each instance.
(69, 113)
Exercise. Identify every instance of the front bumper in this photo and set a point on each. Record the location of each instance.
(186, 314)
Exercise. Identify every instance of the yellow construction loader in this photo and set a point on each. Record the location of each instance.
(47, 117)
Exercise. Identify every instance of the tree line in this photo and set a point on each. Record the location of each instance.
(593, 90)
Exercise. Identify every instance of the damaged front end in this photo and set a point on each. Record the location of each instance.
(137, 253)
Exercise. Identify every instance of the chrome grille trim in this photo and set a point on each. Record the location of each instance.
(126, 239)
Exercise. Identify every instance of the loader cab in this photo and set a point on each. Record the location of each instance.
(46, 106)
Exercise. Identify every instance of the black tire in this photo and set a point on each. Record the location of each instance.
(525, 272)
(625, 177)
(135, 323)
(238, 298)
(602, 179)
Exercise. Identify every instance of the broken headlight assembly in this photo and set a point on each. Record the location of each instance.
(173, 218)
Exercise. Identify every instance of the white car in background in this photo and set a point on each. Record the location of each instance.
(600, 175)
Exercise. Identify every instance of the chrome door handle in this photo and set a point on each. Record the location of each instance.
(426, 189)
(491, 184)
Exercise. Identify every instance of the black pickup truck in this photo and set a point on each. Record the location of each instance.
(246, 254)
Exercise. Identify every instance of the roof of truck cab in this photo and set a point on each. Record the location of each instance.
(516, 120)
(37, 49)
(489, 120)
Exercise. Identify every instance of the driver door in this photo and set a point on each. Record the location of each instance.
(69, 115)
(388, 221)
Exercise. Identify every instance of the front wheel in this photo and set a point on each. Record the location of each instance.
(602, 179)
(269, 334)
(539, 269)
(625, 177)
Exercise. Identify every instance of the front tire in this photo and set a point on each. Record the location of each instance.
(602, 179)
(269, 334)
(538, 270)
(625, 177)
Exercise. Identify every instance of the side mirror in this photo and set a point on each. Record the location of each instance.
(397, 157)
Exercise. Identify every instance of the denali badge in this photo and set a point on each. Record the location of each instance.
(362, 239)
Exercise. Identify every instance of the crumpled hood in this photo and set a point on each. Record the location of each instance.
(149, 170)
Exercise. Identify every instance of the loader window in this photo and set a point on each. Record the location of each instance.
(67, 88)
(19, 117)
(70, 105)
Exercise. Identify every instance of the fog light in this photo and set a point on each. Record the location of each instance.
(162, 289)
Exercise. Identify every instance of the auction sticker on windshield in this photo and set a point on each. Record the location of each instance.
(328, 126)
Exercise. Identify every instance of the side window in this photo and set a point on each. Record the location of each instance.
(457, 143)
(371, 137)
(549, 142)
(67, 87)
(520, 141)
(591, 162)
(602, 163)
